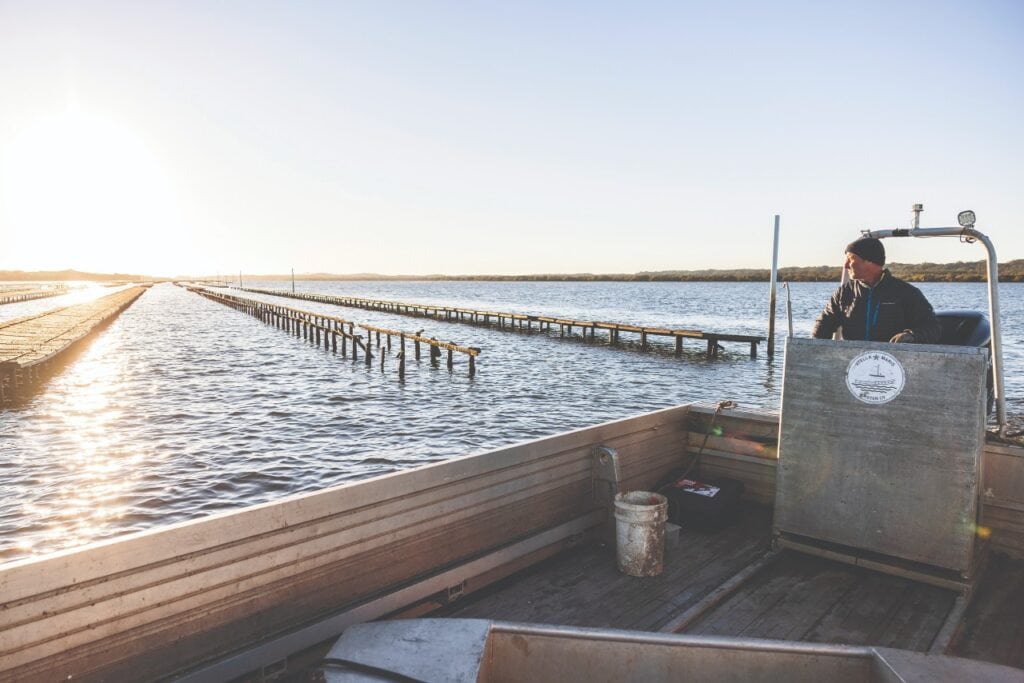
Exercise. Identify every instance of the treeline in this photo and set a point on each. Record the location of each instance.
(961, 271)
(67, 275)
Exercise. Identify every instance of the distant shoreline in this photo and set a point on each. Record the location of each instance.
(961, 271)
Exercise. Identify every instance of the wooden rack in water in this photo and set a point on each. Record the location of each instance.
(524, 321)
(13, 296)
(29, 344)
(327, 330)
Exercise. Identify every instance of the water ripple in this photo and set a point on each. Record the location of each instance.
(183, 407)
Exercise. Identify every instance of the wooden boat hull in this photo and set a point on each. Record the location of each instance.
(231, 593)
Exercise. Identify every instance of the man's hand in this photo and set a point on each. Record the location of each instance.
(904, 337)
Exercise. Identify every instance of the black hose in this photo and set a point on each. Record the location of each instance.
(722, 406)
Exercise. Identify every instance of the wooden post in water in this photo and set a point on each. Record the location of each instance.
(679, 346)
(401, 356)
(451, 362)
(417, 343)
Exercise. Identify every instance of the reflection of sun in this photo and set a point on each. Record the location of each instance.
(81, 188)
(88, 493)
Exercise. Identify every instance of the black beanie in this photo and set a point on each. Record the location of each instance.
(869, 249)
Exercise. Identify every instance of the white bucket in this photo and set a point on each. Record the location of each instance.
(640, 518)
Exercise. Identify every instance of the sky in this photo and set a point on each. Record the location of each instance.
(172, 138)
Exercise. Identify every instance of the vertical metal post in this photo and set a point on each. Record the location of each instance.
(771, 290)
(996, 336)
(789, 309)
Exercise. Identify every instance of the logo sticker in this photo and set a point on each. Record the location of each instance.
(875, 377)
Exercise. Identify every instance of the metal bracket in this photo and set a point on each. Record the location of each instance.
(274, 672)
(575, 540)
(455, 592)
(606, 475)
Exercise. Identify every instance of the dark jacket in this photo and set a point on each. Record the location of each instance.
(877, 313)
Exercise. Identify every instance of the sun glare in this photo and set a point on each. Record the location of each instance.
(83, 191)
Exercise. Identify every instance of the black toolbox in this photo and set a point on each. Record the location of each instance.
(702, 503)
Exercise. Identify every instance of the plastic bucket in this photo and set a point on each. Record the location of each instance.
(640, 532)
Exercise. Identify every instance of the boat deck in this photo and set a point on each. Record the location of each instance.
(789, 597)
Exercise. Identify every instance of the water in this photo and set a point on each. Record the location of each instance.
(184, 407)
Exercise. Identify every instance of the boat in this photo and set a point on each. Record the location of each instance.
(902, 559)
(270, 588)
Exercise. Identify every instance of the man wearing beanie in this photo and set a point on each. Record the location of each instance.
(874, 305)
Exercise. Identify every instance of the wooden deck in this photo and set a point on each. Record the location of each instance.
(13, 295)
(791, 597)
(28, 343)
(314, 326)
(525, 322)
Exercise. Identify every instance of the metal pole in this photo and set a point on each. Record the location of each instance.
(771, 290)
(843, 279)
(997, 335)
(789, 308)
(993, 299)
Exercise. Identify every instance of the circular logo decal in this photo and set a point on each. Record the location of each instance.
(875, 377)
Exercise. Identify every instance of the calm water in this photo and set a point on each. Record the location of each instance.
(184, 407)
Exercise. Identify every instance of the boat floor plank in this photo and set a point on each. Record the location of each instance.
(813, 599)
(796, 597)
(585, 588)
(879, 610)
(993, 627)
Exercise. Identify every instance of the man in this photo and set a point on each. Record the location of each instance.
(874, 305)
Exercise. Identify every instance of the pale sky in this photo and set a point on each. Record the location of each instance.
(501, 137)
